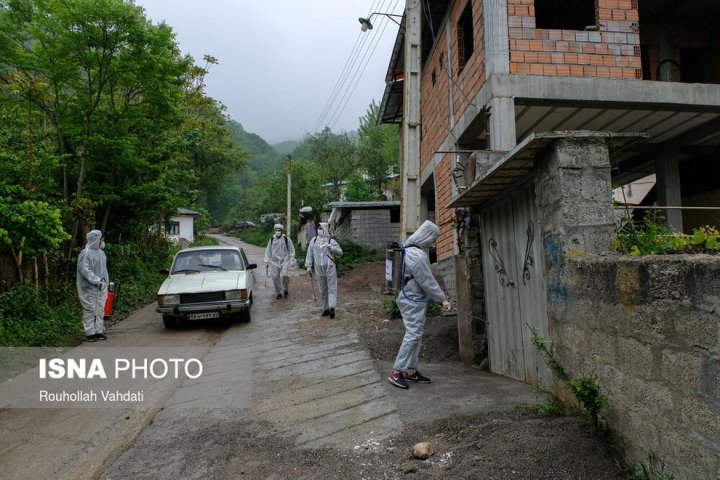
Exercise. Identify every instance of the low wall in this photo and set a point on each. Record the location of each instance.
(649, 327)
(370, 228)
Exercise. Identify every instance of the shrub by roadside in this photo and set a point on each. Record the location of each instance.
(52, 317)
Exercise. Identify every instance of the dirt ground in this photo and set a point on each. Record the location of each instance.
(484, 446)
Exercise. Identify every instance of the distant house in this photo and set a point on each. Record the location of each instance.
(182, 226)
(373, 225)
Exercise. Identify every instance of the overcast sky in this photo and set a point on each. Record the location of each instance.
(281, 60)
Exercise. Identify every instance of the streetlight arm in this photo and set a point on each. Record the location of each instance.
(366, 25)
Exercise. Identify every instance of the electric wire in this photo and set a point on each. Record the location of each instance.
(343, 75)
(359, 74)
(349, 64)
(351, 75)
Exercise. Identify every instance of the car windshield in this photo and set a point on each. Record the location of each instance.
(206, 260)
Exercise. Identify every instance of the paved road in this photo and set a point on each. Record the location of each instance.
(300, 377)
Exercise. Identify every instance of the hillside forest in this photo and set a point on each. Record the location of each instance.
(105, 124)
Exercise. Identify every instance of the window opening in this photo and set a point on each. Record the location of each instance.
(564, 14)
(174, 228)
(466, 42)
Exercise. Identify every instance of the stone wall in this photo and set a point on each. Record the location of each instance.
(649, 327)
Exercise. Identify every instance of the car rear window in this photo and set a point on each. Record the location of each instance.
(207, 260)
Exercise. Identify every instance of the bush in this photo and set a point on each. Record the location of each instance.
(32, 317)
(354, 254)
(652, 237)
(390, 306)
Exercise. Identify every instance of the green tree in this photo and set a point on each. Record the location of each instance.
(358, 190)
(378, 148)
(27, 226)
(336, 153)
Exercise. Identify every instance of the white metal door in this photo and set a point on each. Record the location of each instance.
(514, 287)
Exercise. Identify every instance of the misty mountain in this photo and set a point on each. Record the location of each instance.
(262, 155)
(287, 147)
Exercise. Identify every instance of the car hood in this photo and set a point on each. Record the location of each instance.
(205, 282)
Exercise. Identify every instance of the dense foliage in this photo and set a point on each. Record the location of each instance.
(105, 124)
(33, 317)
(652, 236)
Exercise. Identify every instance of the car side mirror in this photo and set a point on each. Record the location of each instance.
(252, 266)
(164, 271)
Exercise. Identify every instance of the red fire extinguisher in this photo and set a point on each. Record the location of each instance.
(110, 302)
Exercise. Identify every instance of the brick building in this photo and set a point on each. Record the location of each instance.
(517, 119)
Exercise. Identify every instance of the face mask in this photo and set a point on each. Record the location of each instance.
(277, 234)
(102, 244)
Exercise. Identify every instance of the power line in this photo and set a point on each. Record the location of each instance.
(341, 79)
(355, 65)
(358, 75)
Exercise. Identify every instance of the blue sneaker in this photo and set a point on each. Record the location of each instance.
(416, 377)
(398, 379)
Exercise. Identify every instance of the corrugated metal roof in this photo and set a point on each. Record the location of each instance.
(185, 211)
(521, 160)
(358, 205)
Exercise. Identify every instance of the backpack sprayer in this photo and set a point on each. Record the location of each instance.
(399, 245)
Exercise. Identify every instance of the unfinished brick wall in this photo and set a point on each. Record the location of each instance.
(444, 217)
(434, 103)
(436, 91)
(613, 50)
(471, 79)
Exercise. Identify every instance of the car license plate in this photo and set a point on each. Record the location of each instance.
(203, 316)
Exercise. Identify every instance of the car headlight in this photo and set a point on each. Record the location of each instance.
(235, 294)
(168, 299)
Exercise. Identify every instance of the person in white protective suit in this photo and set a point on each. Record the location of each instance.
(420, 287)
(279, 254)
(321, 253)
(92, 285)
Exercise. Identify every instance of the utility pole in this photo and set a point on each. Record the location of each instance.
(410, 155)
(289, 191)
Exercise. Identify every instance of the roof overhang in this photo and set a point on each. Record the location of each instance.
(519, 162)
(364, 205)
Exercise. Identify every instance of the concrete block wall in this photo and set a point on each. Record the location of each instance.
(372, 228)
(613, 50)
(649, 327)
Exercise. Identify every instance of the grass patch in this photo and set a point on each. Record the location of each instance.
(390, 306)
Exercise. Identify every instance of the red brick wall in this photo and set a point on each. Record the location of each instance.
(469, 82)
(444, 217)
(435, 108)
(611, 51)
(434, 102)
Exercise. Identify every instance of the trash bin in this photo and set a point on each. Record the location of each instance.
(393, 269)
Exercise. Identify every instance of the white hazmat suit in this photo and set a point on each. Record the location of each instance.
(321, 253)
(279, 254)
(92, 284)
(412, 300)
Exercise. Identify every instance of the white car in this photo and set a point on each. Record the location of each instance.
(207, 283)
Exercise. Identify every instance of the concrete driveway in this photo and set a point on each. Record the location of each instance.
(316, 387)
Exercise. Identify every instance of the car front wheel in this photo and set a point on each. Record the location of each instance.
(170, 322)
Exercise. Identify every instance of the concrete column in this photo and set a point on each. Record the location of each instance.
(497, 61)
(667, 176)
(502, 124)
(410, 161)
(497, 42)
(574, 198)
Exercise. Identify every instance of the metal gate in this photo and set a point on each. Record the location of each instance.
(515, 289)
